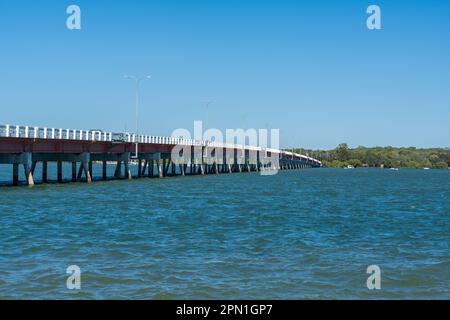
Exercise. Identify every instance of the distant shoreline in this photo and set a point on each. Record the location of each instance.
(381, 157)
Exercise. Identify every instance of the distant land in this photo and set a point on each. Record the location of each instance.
(381, 157)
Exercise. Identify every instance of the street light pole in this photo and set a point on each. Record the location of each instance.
(205, 154)
(293, 148)
(137, 82)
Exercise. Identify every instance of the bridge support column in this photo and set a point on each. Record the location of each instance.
(174, 168)
(44, 171)
(84, 167)
(166, 165)
(160, 169)
(127, 171)
(16, 160)
(159, 164)
(143, 168)
(146, 160)
(128, 176)
(118, 171)
(59, 171)
(125, 159)
(104, 170)
(139, 168)
(27, 163)
(154, 165)
(91, 171)
(215, 168)
(150, 168)
(74, 171)
(15, 174)
(33, 167)
(181, 166)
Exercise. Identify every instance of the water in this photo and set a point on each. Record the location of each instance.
(300, 234)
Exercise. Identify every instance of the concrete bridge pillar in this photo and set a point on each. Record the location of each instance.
(159, 164)
(59, 172)
(74, 171)
(24, 159)
(15, 174)
(174, 172)
(202, 170)
(181, 166)
(151, 168)
(85, 158)
(104, 169)
(127, 170)
(27, 168)
(142, 168)
(139, 168)
(160, 171)
(125, 159)
(44, 171)
(118, 171)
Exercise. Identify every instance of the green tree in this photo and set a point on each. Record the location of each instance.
(342, 152)
(440, 165)
(355, 162)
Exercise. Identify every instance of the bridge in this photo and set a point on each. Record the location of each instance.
(28, 147)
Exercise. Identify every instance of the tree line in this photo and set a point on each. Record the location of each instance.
(387, 157)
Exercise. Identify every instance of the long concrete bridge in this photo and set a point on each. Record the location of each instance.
(27, 147)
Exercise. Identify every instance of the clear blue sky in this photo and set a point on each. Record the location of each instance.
(310, 68)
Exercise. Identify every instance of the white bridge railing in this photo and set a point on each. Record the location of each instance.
(9, 131)
(27, 132)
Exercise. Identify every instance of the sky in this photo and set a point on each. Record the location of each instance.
(309, 68)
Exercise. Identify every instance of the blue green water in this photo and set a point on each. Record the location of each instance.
(300, 234)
